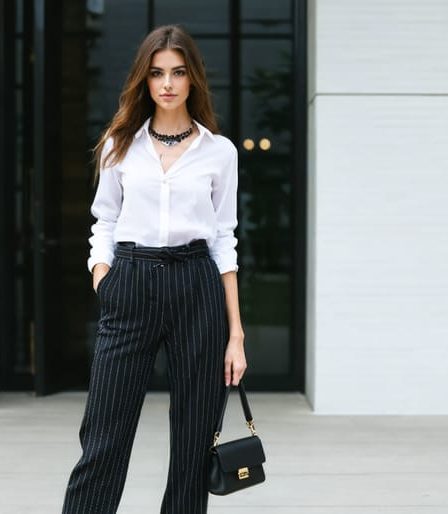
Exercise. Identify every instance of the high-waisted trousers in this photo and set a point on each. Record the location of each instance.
(152, 296)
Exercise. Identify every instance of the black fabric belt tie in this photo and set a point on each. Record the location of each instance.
(194, 249)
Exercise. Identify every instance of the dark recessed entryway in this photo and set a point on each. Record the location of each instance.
(62, 70)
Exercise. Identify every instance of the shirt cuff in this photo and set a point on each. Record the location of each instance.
(226, 262)
(106, 257)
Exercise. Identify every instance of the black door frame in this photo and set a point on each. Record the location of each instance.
(299, 214)
(7, 164)
(46, 184)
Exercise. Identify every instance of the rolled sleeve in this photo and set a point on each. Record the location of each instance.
(224, 198)
(106, 207)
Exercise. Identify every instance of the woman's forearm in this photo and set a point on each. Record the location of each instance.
(235, 360)
(232, 304)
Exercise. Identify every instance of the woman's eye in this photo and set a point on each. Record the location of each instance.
(177, 73)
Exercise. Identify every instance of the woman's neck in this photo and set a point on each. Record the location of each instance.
(170, 122)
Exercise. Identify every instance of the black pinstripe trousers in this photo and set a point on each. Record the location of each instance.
(172, 296)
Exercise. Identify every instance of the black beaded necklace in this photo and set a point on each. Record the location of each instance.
(170, 139)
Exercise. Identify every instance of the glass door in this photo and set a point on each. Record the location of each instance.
(30, 258)
(264, 89)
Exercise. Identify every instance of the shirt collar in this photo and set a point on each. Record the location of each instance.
(142, 128)
(202, 129)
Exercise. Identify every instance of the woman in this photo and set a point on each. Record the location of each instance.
(164, 268)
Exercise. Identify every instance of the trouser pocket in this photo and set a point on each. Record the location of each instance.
(107, 277)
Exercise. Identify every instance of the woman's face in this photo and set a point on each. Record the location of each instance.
(168, 81)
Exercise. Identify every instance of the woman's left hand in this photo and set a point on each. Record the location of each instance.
(235, 360)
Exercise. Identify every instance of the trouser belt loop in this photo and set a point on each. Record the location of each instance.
(131, 247)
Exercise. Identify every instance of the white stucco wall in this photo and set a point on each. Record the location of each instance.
(377, 339)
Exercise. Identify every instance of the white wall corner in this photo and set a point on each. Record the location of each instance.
(310, 390)
(377, 244)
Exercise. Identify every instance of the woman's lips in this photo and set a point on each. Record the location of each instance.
(167, 96)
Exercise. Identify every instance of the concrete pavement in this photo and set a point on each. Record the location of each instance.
(315, 464)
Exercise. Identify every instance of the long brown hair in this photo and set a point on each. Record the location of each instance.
(135, 102)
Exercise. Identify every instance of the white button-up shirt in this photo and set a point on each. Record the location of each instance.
(195, 199)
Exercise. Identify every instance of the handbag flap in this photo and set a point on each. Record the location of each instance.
(240, 453)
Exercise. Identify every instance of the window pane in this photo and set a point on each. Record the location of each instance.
(265, 203)
(113, 39)
(197, 16)
(266, 17)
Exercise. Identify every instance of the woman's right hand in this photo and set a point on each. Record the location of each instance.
(99, 271)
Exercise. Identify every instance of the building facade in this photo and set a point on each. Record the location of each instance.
(339, 111)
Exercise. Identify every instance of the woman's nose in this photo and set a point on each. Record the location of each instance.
(167, 83)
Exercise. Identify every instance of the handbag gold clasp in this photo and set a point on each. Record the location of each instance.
(243, 473)
(251, 426)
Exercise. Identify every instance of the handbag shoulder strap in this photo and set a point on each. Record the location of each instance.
(246, 409)
(244, 402)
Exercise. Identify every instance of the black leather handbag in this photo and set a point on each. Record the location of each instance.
(236, 464)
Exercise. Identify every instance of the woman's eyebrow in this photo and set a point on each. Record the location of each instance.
(174, 67)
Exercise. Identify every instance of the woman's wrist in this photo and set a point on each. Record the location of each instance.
(236, 336)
